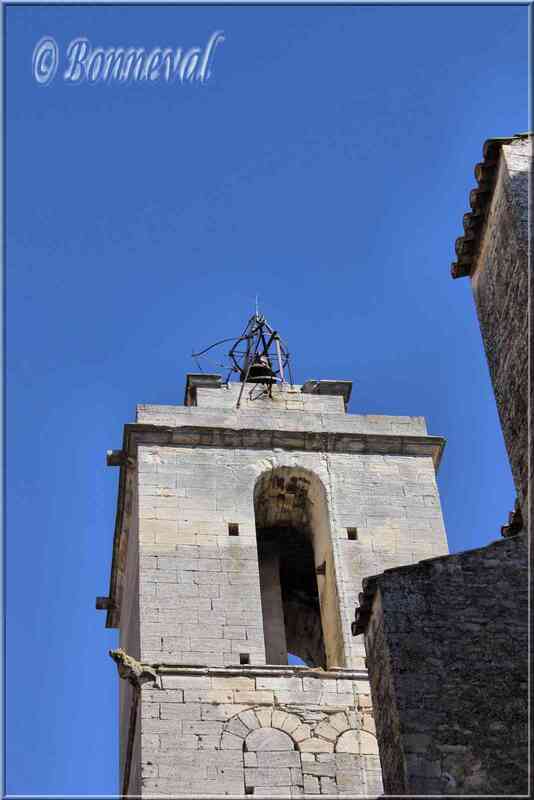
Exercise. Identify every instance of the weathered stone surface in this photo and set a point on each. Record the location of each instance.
(499, 280)
(278, 759)
(316, 745)
(348, 742)
(269, 739)
(196, 483)
(447, 651)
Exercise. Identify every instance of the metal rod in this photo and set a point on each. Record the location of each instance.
(279, 354)
(246, 375)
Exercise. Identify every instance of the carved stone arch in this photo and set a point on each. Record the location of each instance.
(252, 719)
(272, 740)
(359, 742)
(271, 761)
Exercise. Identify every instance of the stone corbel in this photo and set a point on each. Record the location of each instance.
(132, 670)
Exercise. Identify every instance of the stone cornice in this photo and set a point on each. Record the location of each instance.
(136, 434)
(262, 670)
(269, 439)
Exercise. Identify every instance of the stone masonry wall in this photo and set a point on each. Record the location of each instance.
(189, 529)
(500, 288)
(246, 731)
(199, 586)
(447, 653)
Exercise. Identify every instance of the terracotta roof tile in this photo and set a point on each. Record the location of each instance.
(466, 246)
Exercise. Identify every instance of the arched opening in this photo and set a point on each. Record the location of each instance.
(297, 579)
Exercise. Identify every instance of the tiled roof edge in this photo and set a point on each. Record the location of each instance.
(466, 246)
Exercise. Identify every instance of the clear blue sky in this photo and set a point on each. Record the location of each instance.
(326, 165)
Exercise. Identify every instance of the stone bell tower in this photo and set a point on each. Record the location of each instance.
(246, 520)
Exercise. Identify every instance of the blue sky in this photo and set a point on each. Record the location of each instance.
(326, 166)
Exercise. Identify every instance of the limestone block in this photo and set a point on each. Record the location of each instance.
(290, 723)
(149, 740)
(300, 732)
(171, 711)
(316, 745)
(182, 772)
(208, 742)
(327, 731)
(368, 743)
(208, 696)
(311, 785)
(348, 780)
(264, 717)
(278, 718)
(368, 724)
(348, 742)
(231, 742)
(339, 722)
(289, 758)
(250, 719)
(176, 742)
(318, 768)
(237, 727)
(150, 710)
(336, 699)
(202, 727)
(328, 786)
(236, 633)
(268, 739)
(364, 700)
(278, 684)
(288, 697)
(232, 786)
(267, 777)
(255, 698)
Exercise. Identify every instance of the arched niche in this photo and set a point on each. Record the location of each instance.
(297, 575)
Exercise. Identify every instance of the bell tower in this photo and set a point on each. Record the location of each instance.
(246, 520)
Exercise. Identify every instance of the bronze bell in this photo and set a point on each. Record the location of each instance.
(260, 371)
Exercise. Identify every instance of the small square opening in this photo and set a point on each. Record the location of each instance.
(233, 529)
(352, 534)
(249, 790)
(244, 658)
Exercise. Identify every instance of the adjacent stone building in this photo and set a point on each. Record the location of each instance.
(493, 252)
(243, 534)
(447, 638)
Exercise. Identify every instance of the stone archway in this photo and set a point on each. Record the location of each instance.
(297, 574)
(271, 759)
(271, 762)
(284, 754)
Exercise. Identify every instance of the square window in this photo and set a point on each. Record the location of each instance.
(233, 529)
(244, 658)
(352, 534)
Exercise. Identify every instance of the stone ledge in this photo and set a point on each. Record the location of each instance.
(278, 670)
(261, 439)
